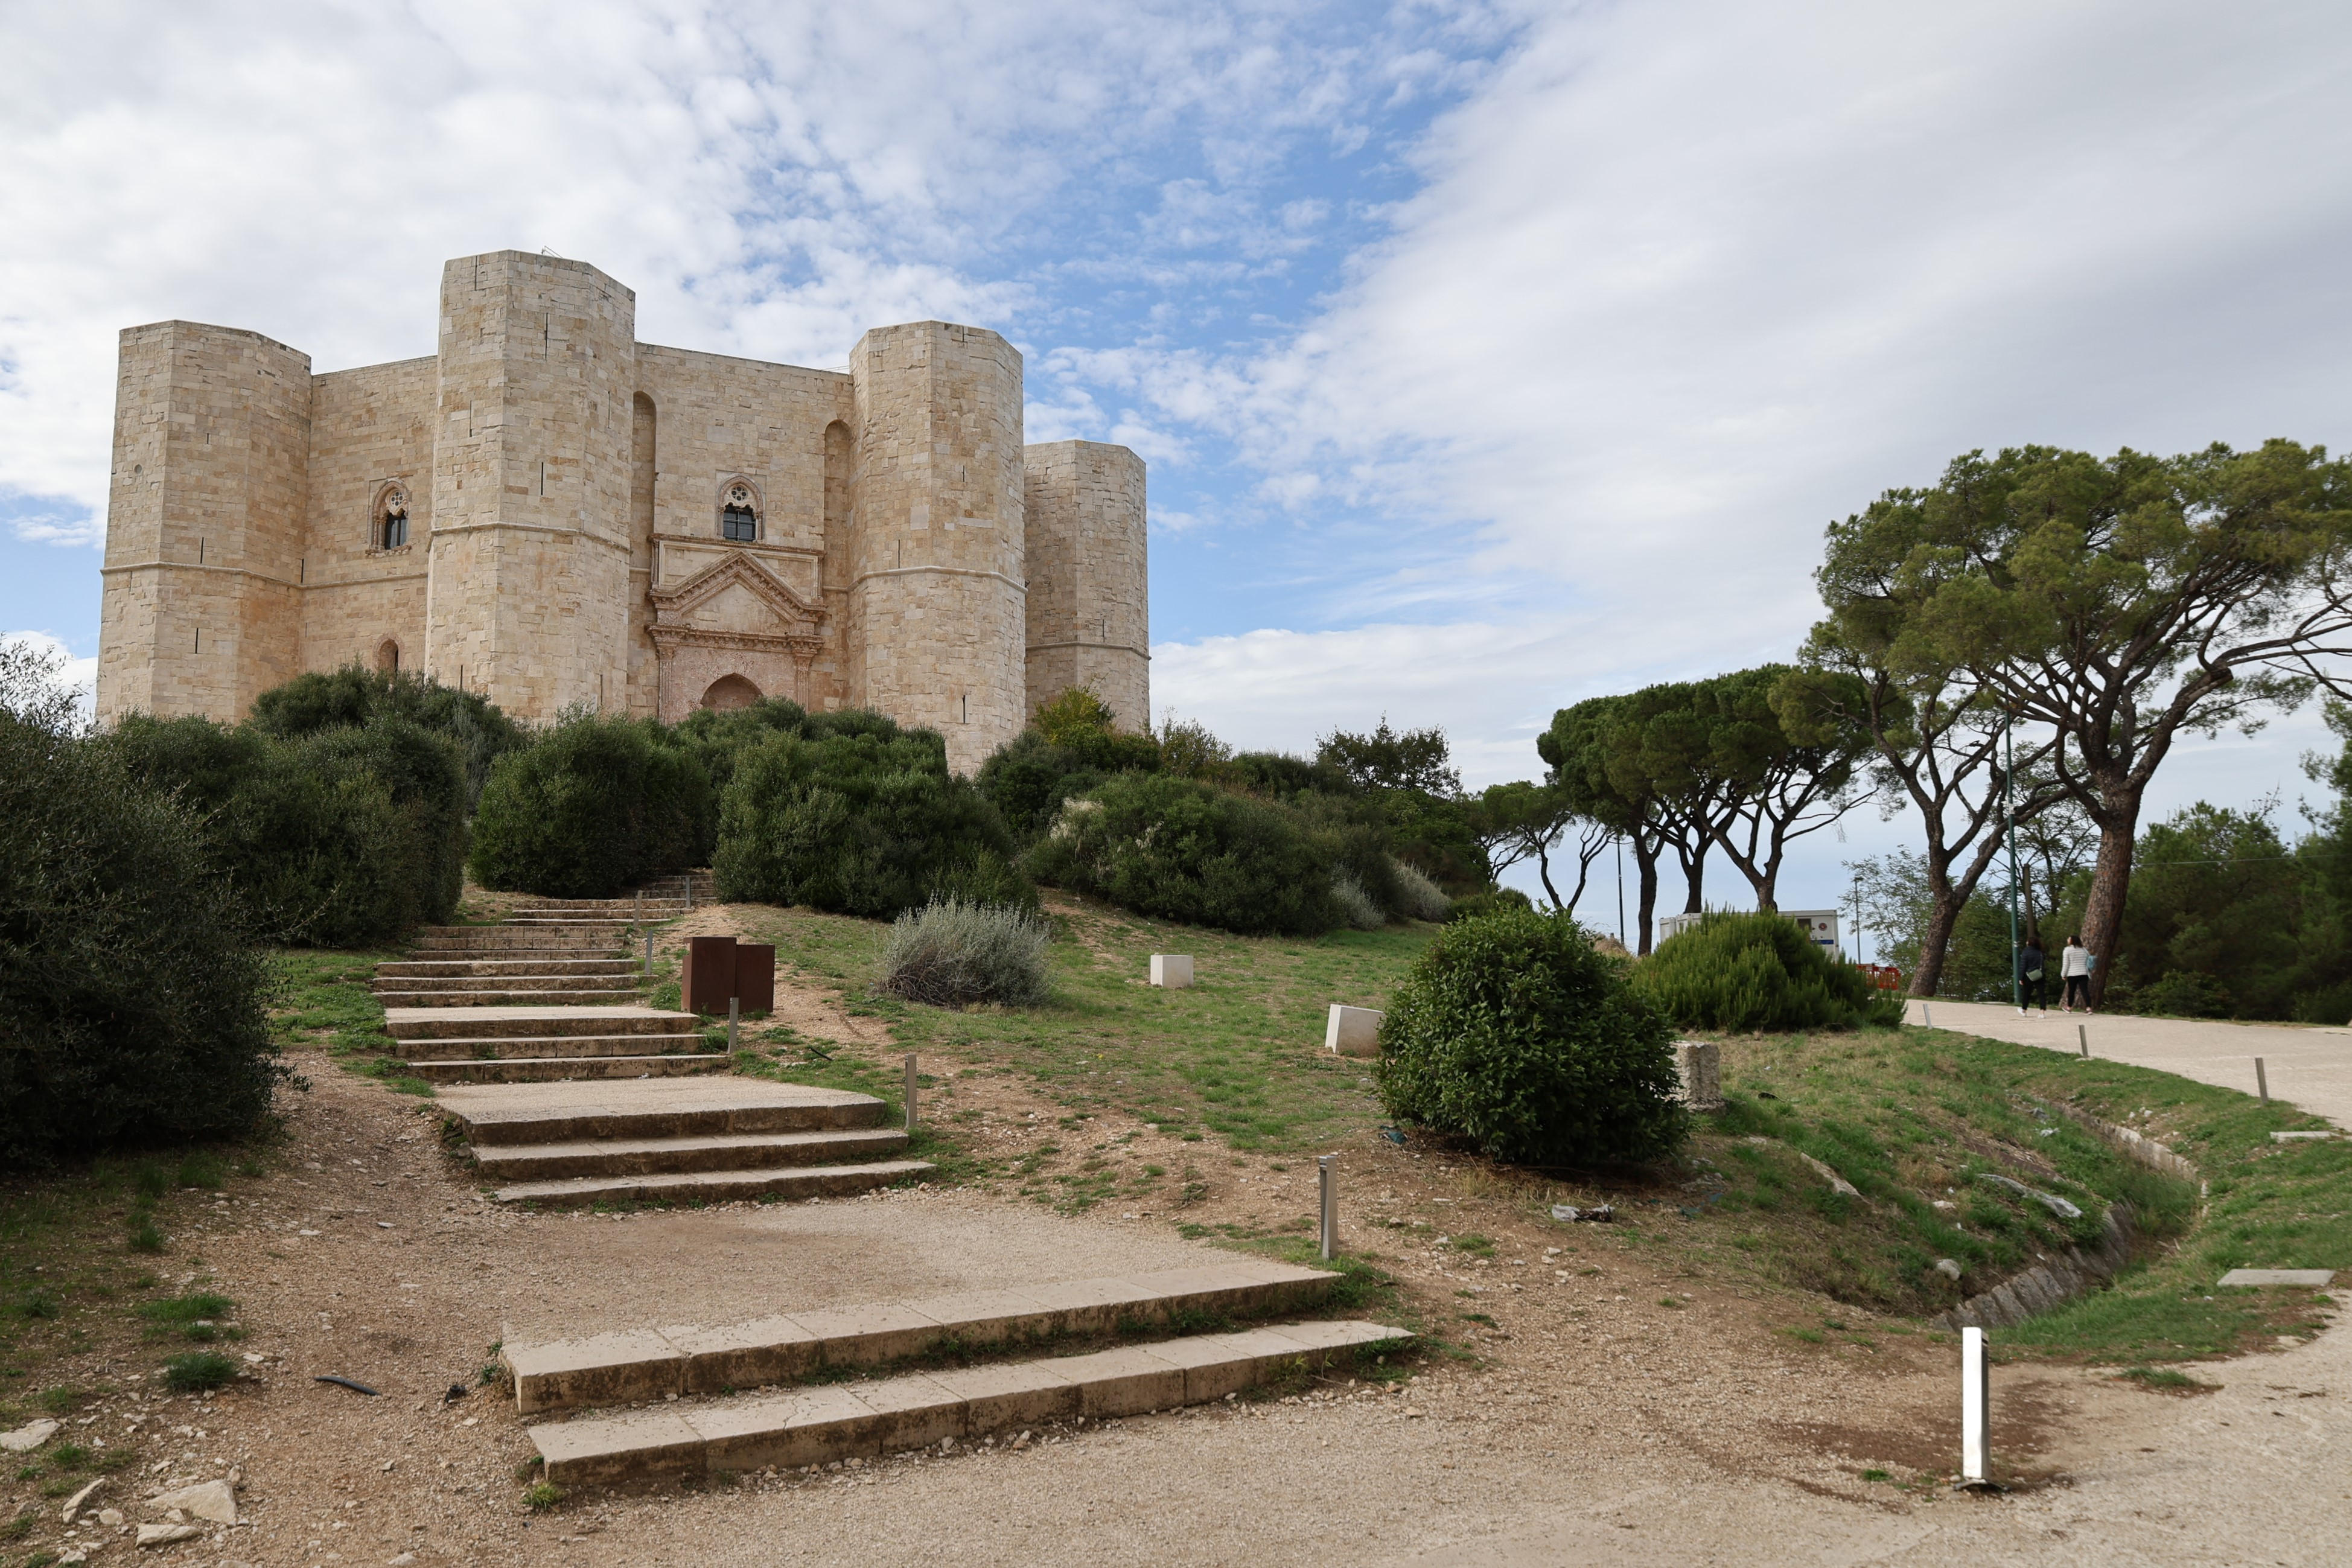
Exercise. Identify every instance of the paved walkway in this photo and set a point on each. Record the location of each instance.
(2311, 1069)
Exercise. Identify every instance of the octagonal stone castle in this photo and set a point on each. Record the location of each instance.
(555, 515)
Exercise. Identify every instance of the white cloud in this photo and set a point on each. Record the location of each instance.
(771, 178)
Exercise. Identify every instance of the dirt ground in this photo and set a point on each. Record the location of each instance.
(1588, 1422)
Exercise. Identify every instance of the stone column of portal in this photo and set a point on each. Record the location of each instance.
(1090, 614)
(526, 600)
(935, 589)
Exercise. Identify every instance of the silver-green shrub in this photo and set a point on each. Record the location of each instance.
(1418, 898)
(1358, 908)
(950, 954)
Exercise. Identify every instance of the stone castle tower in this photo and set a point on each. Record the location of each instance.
(556, 515)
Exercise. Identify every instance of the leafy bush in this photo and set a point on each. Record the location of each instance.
(342, 837)
(1029, 779)
(1493, 900)
(950, 954)
(1419, 898)
(590, 808)
(352, 697)
(133, 997)
(864, 818)
(1356, 906)
(1758, 972)
(2180, 994)
(1511, 1032)
(1186, 851)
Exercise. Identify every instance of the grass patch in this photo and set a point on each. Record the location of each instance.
(198, 1372)
(542, 1496)
(1233, 1055)
(2165, 1379)
(325, 1002)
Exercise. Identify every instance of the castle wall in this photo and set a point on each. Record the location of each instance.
(936, 622)
(1088, 610)
(527, 601)
(370, 428)
(199, 612)
(721, 419)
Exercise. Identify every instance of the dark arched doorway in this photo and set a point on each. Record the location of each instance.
(730, 691)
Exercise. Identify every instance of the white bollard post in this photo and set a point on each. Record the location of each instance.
(1926, 1016)
(1327, 1170)
(2083, 1039)
(733, 1004)
(910, 1091)
(2261, 1081)
(1976, 1393)
(689, 879)
(649, 955)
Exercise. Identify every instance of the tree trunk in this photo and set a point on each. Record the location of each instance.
(2103, 917)
(1543, 869)
(1943, 914)
(1647, 860)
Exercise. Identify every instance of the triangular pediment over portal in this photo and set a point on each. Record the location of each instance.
(734, 593)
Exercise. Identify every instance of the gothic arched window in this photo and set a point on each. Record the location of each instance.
(391, 528)
(739, 518)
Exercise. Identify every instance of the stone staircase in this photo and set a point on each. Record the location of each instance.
(675, 1141)
(571, 1090)
(802, 1412)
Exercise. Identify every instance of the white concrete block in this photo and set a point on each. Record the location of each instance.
(1173, 970)
(1353, 1031)
(2316, 1278)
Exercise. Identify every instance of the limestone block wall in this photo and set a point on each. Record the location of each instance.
(371, 429)
(936, 622)
(528, 599)
(199, 611)
(718, 420)
(1088, 611)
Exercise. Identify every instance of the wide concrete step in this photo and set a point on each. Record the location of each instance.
(499, 1022)
(653, 1363)
(493, 1048)
(553, 1069)
(586, 923)
(513, 998)
(662, 1156)
(506, 933)
(483, 968)
(657, 1109)
(858, 1420)
(653, 908)
(519, 954)
(620, 979)
(715, 1186)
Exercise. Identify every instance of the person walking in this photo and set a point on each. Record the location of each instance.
(2029, 976)
(2075, 966)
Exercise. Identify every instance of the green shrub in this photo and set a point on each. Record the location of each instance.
(2180, 994)
(132, 995)
(589, 808)
(1758, 972)
(1493, 900)
(1029, 779)
(950, 954)
(352, 698)
(198, 1372)
(864, 818)
(1511, 1032)
(1187, 851)
(338, 837)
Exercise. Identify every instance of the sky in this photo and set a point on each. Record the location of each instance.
(1486, 357)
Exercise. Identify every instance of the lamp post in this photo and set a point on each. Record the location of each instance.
(2009, 835)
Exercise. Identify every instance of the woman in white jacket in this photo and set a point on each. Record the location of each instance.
(2074, 966)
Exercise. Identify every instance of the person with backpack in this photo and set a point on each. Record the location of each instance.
(2029, 976)
(2075, 967)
